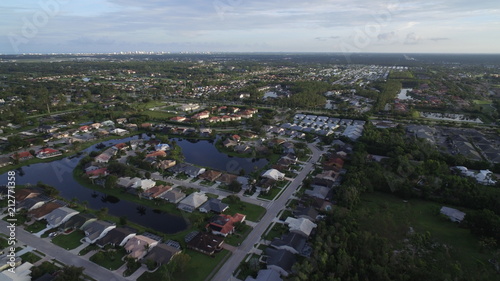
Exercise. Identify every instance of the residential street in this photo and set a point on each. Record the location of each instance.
(227, 270)
(91, 269)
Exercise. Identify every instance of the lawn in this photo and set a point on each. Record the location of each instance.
(69, 241)
(238, 237)
(277, 230)
(36, 226)
(30, 257)
(253, 212)
(199, 268)
(391, 217)
(109, 259)
(87, 249)
(3, 243)
(271, 195)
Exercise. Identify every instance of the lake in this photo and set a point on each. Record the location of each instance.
(59, 174)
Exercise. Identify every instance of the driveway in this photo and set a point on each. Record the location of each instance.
(274, 207)
(91, 269)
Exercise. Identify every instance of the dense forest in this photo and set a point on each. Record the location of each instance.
(358, 242)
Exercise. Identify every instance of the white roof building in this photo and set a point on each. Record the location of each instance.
(301, 226)
(273, 174)
(454, 214)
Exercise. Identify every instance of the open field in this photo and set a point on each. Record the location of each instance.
(391, 217)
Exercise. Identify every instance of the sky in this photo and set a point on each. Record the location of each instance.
(380, 26)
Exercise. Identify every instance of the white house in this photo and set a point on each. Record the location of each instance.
(273, 174)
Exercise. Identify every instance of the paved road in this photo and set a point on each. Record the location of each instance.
(91, 269)
(229, 267)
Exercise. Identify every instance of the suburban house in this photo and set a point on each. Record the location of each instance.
(292, 242)
(178, 119)
(93, 174)
(202, 115)
(47, 129)
(105, 156)
(22, 156)
(78, 221)
(229, 142)
(265, 275)
(192, 202)
(280, 260)
(210, 175)
(174, 195)
(273, 174)
(453, 214)
(118, 132)
(127, 182)
(309, 213)
(162, 146)
(165, 164)
(59, 216)
(24, 193)
(224, 224)
(121, 120)
(301, 226)
(44, 210)
(96, 230)
(162, 254)
(226, 178)
(120, 146)
(213, 205)
(266, 184)
(187, 169)
(5, 161)
(158, 153)
(108, 123)
(156, 191)
(135, 143)
(204, 242)
(116, 237)
(319, 192)
(32, 203)
(138, 246)
(47, 153)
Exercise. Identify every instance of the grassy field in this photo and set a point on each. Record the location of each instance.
(36, 226)
(69, 241)
(253, 212)
(199, 268)
(238, 237)
(30, 257)
(277, 230)
(392, 218)
(110, 259)
(271, 194)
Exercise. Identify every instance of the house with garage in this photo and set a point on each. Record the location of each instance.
(59, 216)
(96, 230)
(204, 242)
(213, 205)
(116, 237)
(192, 202)
(224, 224)
(138, 246)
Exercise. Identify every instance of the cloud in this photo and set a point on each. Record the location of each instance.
(435, 39)
(327, 38)
(412, 39)
(388, 36)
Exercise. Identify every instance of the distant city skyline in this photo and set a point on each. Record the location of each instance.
(110, 26)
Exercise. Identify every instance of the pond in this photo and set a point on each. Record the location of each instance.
(204, 153)
(59, 174)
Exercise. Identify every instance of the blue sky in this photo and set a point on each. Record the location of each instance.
(404, 26)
